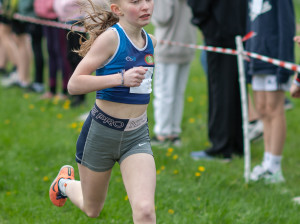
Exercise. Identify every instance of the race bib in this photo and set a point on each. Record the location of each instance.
(146, 85)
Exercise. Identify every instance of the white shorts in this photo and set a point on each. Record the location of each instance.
(268, 83)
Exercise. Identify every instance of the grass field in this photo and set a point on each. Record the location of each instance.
(38, 137)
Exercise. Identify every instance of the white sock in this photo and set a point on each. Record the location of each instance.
(266, 160)
(62, 184)
(275, 163)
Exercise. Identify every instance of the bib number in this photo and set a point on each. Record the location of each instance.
(146, 85)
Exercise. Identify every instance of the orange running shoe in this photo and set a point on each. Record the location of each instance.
(66, 172)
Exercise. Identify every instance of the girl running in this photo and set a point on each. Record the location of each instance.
(116, 130)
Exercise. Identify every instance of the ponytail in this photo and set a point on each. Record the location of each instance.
(98, 18)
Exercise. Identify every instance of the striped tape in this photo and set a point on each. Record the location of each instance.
(283, 64)
(45, 22)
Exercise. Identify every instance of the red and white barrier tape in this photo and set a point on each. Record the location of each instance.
(45, 22)
(283, 64)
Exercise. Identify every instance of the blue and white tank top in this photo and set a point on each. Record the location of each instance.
(126, 57)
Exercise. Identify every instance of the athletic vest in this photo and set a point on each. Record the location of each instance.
(126, 57)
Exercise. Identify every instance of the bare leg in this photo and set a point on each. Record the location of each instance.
(24, 58)
(90, 192)
(260, 104)
(3, 56)
(9, 43)
(270, 106)
(276, 115)
(139, 176)
(253, 115)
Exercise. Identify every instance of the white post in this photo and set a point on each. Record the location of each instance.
(244, 104)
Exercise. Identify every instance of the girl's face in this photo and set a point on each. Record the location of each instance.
(136, 12)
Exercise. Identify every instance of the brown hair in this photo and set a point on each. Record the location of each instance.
(97, 19)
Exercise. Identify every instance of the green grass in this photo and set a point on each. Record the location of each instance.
(38, 137)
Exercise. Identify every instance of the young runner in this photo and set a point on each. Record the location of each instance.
(116, 130)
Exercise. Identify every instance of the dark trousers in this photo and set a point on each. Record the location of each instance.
(36, 33)
(225, 117)
(57, 49)
(74, 58)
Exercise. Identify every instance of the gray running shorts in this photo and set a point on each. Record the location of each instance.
(105, 140)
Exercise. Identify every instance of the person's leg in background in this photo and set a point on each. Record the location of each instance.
(3, 53)
(66, 67)
(74, 59)
(51, 34)
(10, 47)
(23, 53)
(255, 126)
(270, 106)
(164, 98)
(36, 33)
(178, 106)
(225, 117)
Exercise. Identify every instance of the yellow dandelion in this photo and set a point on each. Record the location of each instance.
(59, 116)
(170, 150)
(192, 120)
(197, 174)
(81, 123)
(201, 168)
(31, 106)
(79, 130)
(126, 198)
(171, 211)
(55, 100)
(26, 96)
(168, 154)
(7, 121)
(45, 178)
(206, 143)
(74, 125)
(162, 167)
(175, 172)
(158, 172)
(175, 157)
(190, 99)
(8, 193)
(66, 107)
(198, 198)
(42, 109)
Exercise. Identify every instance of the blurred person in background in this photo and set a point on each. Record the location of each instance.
(16, 42)
(273, 21)
(172, 21)
(220, 22)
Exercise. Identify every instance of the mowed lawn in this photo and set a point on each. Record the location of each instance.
(38, 137)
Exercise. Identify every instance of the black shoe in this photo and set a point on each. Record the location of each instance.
(36, 88)
(161, 143)
(176, 141)
(203, 155)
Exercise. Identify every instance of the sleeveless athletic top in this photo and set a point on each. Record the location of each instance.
(126, 57)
